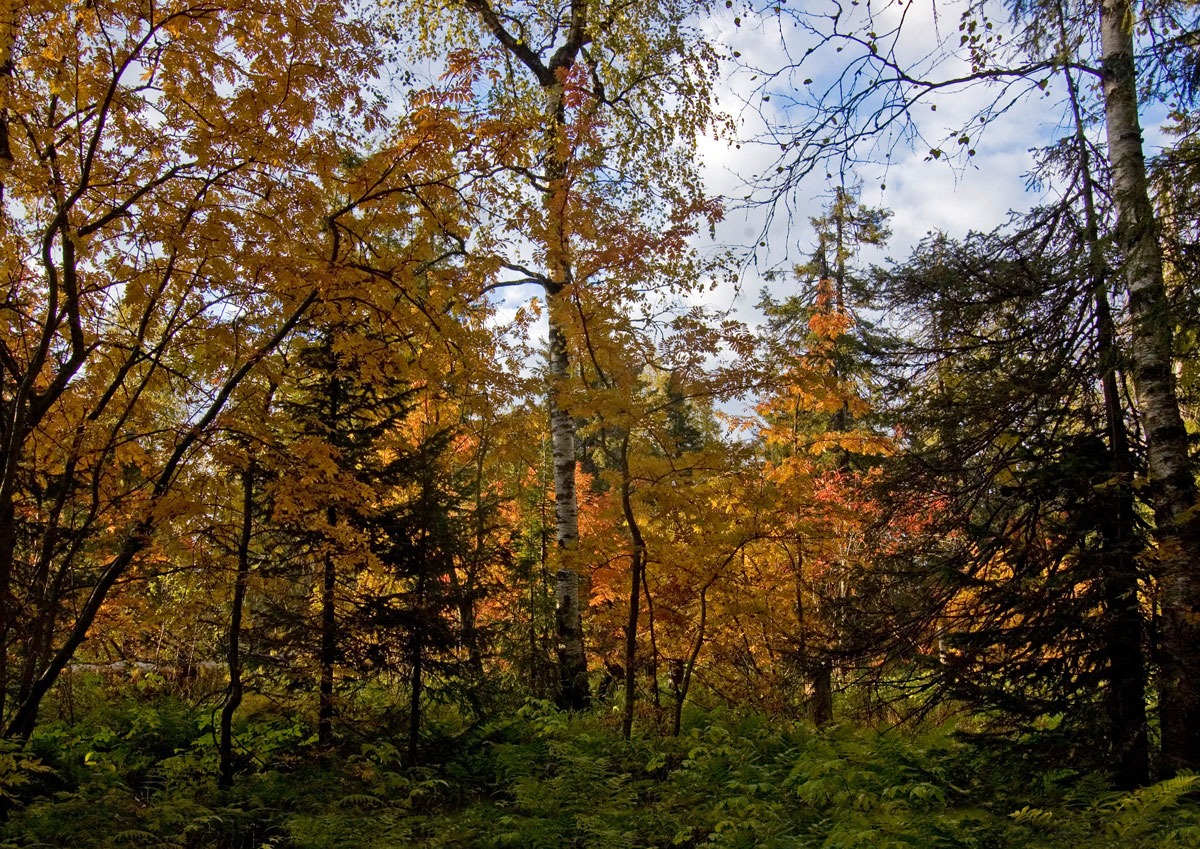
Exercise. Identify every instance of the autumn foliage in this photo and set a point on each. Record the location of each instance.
(361, 368)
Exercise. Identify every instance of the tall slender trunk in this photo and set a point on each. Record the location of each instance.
(465, 594)
(685, 679)
(328, 650)
(234, 658)
(327, 655)
(820, 703)
(1125, 699)
(416, 681)
(8, 551)
(572, 660)
(653, 672)
(44, 594)
(10, 23)
(1123, 625)
(637, 565)
(540, 676)
(1172, 482)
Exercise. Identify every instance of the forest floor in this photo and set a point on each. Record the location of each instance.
(141, 771)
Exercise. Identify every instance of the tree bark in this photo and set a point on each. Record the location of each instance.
(572, 661)
(574, 693)
(466, 593)
(10, 24)
(327, 656)
(416, 681)
(234, 698)
(328, 649)
(685, 679)
(1172, 482)
(653, 671)
(637, 564)
(8, 551)
(1123, 625)
(820, 704)
(1125, 700)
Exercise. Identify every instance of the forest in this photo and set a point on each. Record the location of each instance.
(396, 451)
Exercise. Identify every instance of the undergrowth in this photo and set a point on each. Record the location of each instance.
(144, 775)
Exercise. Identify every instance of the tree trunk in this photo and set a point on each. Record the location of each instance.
(1126, 673)
(799, 679)
(8, 552)
(1126, 697)
(328, 652)
(820, 703)
(44, 594)
(572, 660)
(416, 681)
(685, 679)
(234, 698)
(1172, 484)
(653, 671)
(637, 563)
(465, 594)
(10, 23)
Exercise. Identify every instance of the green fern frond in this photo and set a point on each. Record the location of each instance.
(1134, 813)
(1036, 817)
(136, 837)
(360, 801)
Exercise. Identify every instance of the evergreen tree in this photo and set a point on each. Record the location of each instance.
(825, 333)
(1028, 580)
(370, 513)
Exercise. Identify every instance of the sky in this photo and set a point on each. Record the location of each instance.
(947, 195)
(923, 194)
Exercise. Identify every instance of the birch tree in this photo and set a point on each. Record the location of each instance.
(590, 116)
(1172, 472)
(871, 105)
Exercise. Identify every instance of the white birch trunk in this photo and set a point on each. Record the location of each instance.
(572, 660)
(1173, 489)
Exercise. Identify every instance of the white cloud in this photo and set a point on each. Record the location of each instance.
(975, 193)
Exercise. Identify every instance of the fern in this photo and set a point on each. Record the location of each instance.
(17, 768)
(359, 801)
(1136, 813)
(1035, 817)
(138, 837)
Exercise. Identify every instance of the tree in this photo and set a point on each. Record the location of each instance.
(1172, 472)
(1032, 603)
(171, 211)
(824, 346)
(873, 100)
(595, 110)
